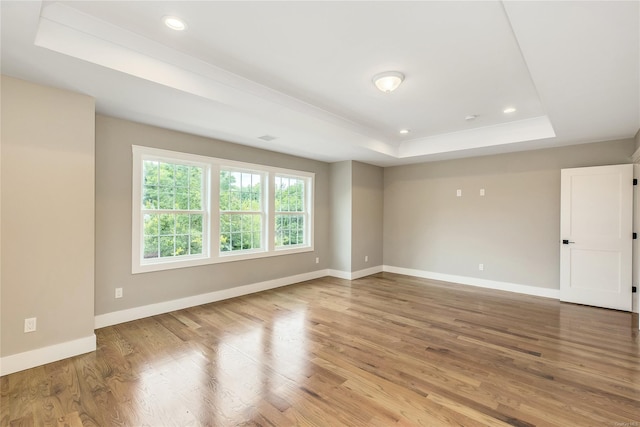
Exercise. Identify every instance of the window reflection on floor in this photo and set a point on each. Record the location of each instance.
(289, 346)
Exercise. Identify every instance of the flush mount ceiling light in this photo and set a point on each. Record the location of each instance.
(405, 131)
(174, 23)
(509, 110)
(388, 81)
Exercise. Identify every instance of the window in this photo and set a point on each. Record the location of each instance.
(291, 213)
(170, 217)
(241, 211)
(260, 210)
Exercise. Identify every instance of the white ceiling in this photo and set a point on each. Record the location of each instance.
(301, 71)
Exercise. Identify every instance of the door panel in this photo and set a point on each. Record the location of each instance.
(596, 228)
(595, 270)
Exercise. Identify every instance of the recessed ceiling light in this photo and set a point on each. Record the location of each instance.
(404, 131)
(174, 23)
(388, 81)
(509, 110)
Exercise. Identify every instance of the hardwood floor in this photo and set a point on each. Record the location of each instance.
(385, 350)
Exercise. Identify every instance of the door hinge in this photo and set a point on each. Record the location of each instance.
(635, 181)
(635, 236)
(634, 289)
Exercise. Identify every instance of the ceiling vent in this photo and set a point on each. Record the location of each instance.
(267, 137)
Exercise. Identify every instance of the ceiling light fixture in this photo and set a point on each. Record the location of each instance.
(388, 81)
(509, 110)
(404, 131)
(471, 117)
(174, 23)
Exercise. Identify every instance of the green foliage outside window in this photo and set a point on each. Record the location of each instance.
(170, 192)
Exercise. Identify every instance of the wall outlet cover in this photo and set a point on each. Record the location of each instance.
(30, 324)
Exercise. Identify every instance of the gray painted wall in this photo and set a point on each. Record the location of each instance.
(341, 211)
(114, 138)
(513, 230)
(356, 212)
(47, 226)
(367, 210)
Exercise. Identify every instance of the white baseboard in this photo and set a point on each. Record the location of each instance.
(355, 274)
(136, 313)
(40, 356)
(474, 281)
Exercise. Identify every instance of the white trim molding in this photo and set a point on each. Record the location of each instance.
(40, 356)
(355, 274)
(474, 281)
(136, 313)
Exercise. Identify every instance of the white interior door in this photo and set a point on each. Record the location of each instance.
(596, 232)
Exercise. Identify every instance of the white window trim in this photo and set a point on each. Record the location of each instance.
(211, 224)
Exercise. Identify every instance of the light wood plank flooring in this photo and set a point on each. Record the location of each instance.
(386, 350)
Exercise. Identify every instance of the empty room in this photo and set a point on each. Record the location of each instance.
(319, 213)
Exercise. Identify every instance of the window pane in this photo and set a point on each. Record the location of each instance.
(150, 197)
(150, 225)
(182, 198)
(167, 224)
(225, 242)
(235, 200)
(196, 222)
(150, 172)
(225, 223)
(195, 245)
(182, 175)
(236, 241)
(182, 224)
(166, 245)
(195, 200)
(196, 175)
(166, 197)
(150, 247)
(182, 245)
(166, 174)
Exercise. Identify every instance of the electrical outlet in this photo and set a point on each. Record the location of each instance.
(481, 267)
(30, 325)
(118, 292)
(366, 258)
(317, 260)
